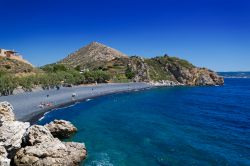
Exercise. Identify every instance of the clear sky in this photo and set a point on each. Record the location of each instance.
(210, 33)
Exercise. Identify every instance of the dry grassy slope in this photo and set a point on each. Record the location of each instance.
(14, 66)
(87, 57)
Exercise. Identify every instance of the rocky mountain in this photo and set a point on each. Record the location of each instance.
(96, 56)
(87, 57)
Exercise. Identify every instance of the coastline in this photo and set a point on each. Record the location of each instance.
(26, 105)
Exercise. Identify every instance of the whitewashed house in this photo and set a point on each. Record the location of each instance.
(7, 53)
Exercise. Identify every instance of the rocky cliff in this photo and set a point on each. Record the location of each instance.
(96, 56)
(173, 69)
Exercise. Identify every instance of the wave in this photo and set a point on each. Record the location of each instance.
(89, 99)
(41, 118)
(44, 115)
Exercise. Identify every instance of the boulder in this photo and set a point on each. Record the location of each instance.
(6, 112)
(46, 150)
(4, 161)
(61, 128)
(76, 151)
(217, 79)
(38, 134)
(25, 146)
(52, 152)
(207, 77)
(11, 135)
(204, 79)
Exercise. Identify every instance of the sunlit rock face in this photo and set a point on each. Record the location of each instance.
(6, 112)
(44, 149)
(11, 132)
(3, 157)
(61, 128)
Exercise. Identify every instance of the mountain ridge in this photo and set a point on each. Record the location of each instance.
(97, 56)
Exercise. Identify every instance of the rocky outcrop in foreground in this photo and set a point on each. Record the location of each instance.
(3, 157)
(6, 112)
(44, 149)
(61, 128)
(23, 145)
(11, 136)
(11, 131)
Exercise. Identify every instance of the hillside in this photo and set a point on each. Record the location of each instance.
(14, 66)
(96, 56)
(87, 57)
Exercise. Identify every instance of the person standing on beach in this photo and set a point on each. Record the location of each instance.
(73, 96)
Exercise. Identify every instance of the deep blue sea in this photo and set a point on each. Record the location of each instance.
(165, 126)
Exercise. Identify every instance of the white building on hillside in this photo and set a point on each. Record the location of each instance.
(7, 53)
(11, 54)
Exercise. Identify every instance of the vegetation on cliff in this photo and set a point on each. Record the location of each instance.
(123, 68)
(99, 63)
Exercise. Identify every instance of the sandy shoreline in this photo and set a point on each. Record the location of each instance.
(26, 105)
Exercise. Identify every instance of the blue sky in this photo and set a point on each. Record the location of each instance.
(210, 33)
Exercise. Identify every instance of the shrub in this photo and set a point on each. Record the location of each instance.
(54, 68)
(7, 67)
(96, 76)
(26, 83)
(8, 84)
(78, 68)
(129, 73)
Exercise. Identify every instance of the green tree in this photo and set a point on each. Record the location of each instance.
(96, 76)
(8, 84)
(26, 83)
(129, 73)
(78, 68)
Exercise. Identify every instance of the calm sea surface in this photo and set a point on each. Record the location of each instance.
(165, 126)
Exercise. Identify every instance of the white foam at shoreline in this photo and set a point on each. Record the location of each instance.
(41, 118)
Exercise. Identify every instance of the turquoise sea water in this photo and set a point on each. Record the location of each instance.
(165, 126)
